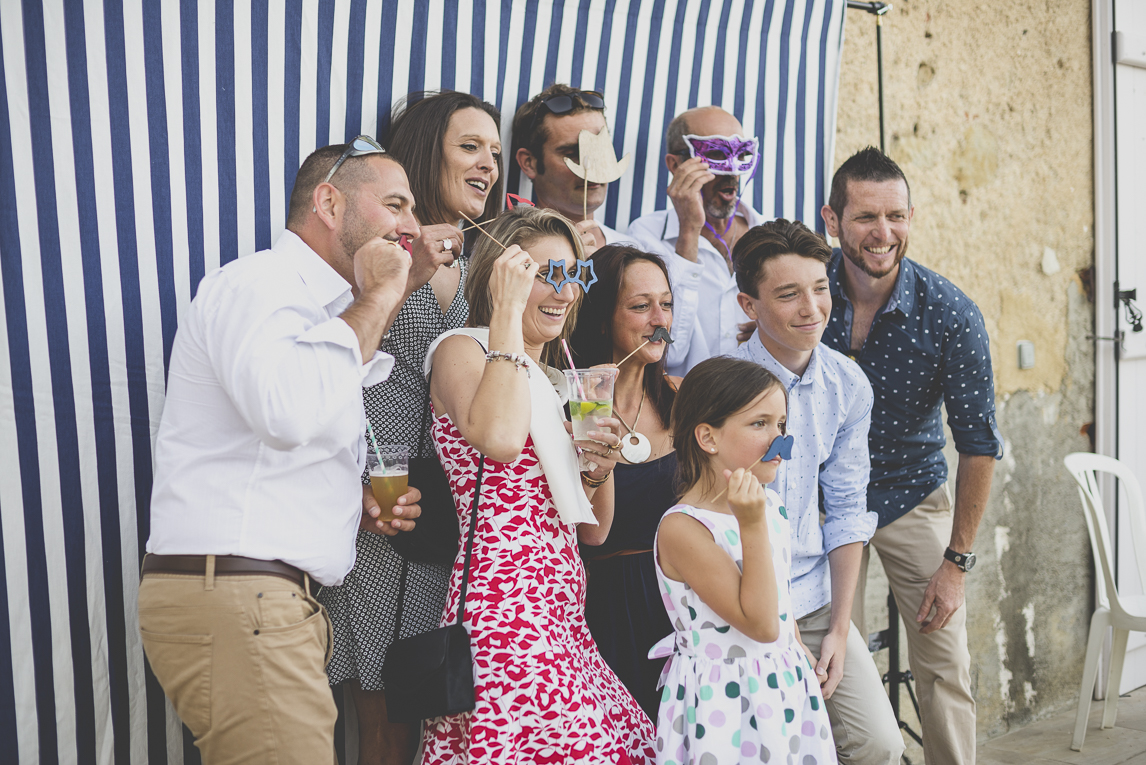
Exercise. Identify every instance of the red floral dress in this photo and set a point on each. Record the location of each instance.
(544, 694)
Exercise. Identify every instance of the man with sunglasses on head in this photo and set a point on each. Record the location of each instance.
(546, 131)
(257, 496)
(709, 157)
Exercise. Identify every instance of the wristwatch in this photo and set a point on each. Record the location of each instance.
(965, 561)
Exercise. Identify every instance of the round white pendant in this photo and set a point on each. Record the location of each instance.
(635, 447)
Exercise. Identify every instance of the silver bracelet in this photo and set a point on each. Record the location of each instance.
(519, 359)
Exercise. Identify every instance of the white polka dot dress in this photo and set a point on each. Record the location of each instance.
(727, 698)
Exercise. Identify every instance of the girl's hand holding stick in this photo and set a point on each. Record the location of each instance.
(746, 497)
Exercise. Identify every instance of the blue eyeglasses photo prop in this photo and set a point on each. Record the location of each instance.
(558, 266)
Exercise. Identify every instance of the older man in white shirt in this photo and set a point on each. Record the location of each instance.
(258, 458)
(708, 156)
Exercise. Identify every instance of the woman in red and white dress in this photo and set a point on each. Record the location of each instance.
(543, 692)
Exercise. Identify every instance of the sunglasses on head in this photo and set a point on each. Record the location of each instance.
(565, 104)
(360, 146)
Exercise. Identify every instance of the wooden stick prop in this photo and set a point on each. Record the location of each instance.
(781, 446)
(599, 163)
(660, 333)
(479, 228)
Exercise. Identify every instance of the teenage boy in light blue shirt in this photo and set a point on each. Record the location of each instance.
(781, 270)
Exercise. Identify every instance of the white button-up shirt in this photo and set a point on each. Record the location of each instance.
(829, 412)
(260, 447)
(612, 236)
(705, 312)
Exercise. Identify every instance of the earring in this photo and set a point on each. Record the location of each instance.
(714, 451)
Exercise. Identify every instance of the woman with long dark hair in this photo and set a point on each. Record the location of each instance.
(623, 310)
(451, 148)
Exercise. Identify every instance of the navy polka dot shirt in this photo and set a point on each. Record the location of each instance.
(928, 346)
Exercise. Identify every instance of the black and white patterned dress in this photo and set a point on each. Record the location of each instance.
(363, 609)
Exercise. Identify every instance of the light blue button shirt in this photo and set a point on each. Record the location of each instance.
(829, 412)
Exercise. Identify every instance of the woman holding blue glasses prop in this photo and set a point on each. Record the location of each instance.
(542, 692)
(451, 148)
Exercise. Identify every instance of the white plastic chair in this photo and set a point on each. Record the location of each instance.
(1120, 612)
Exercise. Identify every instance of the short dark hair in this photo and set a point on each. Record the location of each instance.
(592, 341)
(529, 122)
(714, 390)
(521, 225)
(417, 133)
(674, 136)
(868, 164)
(771, 240)
(351, 174)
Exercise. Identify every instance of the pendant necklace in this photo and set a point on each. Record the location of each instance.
(635, 447)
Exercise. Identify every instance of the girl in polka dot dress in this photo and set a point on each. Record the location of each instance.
(738, 686)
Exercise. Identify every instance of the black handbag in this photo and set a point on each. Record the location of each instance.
(431, 675)
(434, 538)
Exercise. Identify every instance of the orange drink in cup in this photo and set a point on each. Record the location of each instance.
(389, 469)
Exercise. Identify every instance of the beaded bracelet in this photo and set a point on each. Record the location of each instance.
(595, 483)
(519, 359)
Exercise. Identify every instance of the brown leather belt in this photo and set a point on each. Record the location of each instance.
(225, 565)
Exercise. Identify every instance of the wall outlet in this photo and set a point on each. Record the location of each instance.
(1026, 354)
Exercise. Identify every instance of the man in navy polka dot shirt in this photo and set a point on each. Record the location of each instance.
(922, 344)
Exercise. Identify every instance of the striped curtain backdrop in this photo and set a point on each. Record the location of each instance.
(144, 143)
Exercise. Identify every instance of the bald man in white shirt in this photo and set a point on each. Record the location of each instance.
(258, 459)
(696, 233)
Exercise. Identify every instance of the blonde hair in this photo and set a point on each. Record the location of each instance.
(521, 225)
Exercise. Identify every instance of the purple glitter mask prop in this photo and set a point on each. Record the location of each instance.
(725, 154)
(558, 267)
(781, 447)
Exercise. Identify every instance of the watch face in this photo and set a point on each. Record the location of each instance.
(969, 561)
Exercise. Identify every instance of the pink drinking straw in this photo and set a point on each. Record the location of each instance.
(572, 365)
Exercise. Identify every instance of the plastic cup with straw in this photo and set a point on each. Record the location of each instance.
(590, 396)
(388, 466)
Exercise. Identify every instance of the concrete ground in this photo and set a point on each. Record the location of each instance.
(1047, 742)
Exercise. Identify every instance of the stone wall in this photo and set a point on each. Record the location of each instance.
(988, 110)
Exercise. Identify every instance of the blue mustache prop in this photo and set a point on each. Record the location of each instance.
(781, 446)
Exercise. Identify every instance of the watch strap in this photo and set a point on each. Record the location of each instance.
(959, 559)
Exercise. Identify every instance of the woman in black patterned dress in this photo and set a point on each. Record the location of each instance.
(450, 146)
(623, 604)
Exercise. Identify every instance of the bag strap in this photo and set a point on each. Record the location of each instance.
(465, 570)
(473, 528)
(425, 422)
(401, 600)
(473, 524)
(470, 541)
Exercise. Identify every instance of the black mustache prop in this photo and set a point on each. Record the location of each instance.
(660, 333)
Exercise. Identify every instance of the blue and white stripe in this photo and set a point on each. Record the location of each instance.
(143, 144)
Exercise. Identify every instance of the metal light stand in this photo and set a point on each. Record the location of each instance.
(888, 638)
(879, 10)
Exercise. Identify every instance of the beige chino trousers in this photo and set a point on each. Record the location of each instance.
(911, 550)
(863, 724)
(243, 660)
